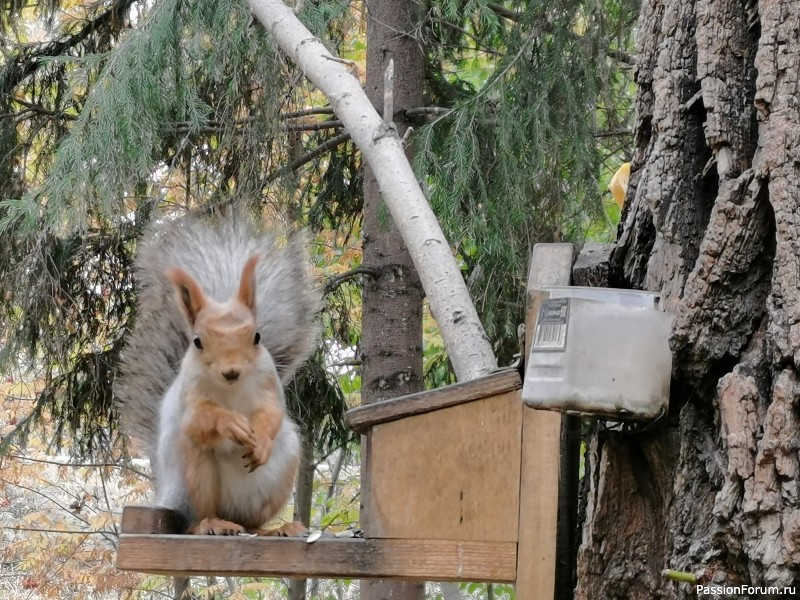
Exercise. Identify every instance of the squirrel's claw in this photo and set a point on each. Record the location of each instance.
(257, 455)
(214, 526)
(250, 464)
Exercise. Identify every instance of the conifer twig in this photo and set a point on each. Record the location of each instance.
(626, 58)
(38, 109)
(213, 126)
(504, 12)
(306, 112)
(336, 281)
(309, 156)
(422, 111)
(619, 131)
(331, 124)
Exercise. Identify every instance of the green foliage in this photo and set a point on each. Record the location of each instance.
(102, 134)
(336, 199)
(475, 591)
(161, 83)
(10, 11)
(329, 20)
(76, 324)
(178, 109)
(515, 161)
(436, 367)
(317, 402)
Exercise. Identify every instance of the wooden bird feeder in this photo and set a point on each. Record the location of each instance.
(460, 484)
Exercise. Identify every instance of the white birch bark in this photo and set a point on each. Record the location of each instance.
(467, 345)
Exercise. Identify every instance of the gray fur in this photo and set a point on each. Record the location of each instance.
(214, 254)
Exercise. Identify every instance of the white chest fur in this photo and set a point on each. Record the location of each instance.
(244, 497)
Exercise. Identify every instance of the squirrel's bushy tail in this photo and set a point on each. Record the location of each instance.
(214, 254)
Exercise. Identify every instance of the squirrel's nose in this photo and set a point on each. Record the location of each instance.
(231, 375)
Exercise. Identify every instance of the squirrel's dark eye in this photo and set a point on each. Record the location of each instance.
(197, 343)
(256, 339)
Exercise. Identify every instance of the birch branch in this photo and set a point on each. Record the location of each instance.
(468, 347)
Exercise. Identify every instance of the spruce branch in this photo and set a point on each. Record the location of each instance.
(617, 132)
(626, 58)
(30, 58)
(321, 126)
(334, 282)
(426, 113)
(422, 111)
(212, 127)
(309, 156)
(307, 112)
(479, 45)
(31, 107)
(504, 12)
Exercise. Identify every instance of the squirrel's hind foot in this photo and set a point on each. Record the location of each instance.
(214, 526)
(293, 529)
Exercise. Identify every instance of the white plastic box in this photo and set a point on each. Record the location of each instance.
(601, 352)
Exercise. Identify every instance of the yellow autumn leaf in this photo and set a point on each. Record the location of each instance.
(619, 183)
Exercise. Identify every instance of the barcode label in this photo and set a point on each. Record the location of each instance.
(551, 326)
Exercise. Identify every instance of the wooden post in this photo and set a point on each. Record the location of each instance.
(551, 265)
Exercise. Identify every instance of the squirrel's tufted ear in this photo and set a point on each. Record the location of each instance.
(190, 297)
(247, 284)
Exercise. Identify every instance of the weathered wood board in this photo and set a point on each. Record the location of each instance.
(362, 418)
(148, 545)
(450, 474)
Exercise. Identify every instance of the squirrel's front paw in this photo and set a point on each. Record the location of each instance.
(236, 427)
(258, 454)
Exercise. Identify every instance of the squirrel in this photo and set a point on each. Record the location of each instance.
(225, 315)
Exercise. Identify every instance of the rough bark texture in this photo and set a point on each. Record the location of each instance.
(711, 222)
(591, 266)
(391, 341)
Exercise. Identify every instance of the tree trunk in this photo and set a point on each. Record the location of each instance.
(392, 308)
(710, 221)
(469, 349)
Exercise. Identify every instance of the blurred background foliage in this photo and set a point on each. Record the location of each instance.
(117, 112)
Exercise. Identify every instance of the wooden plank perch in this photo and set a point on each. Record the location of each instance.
(157, 551)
